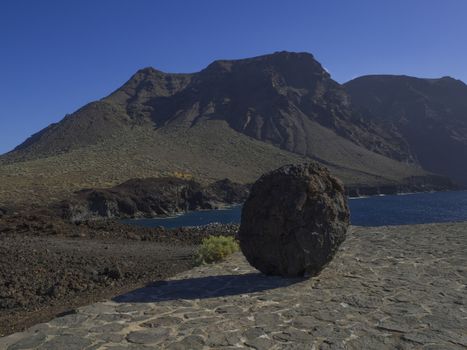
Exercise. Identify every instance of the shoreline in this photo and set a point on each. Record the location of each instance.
(376, 192)
(394, 208)
(405, 193)
(230, 206)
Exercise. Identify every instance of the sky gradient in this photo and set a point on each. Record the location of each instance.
(56, 56)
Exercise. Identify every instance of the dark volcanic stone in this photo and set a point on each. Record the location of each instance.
(294, 220)
(151, 197)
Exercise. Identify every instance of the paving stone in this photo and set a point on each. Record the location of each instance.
(260, 343)
(133, 308)
(148, 336)
(229, 309)
(76, 331)
(68, 342)
(218, 338)
(197, 322)
(442, 346)
(162, 321)
(110, 337)
(191, 342)
(253, 333)
(304, 322)
(392, 327)
(72, 320)
(112, 317)
(96, 346)
(129, 347)
(267, 319)
(293, 335)
(108, 328)
(29, 342)
(419, 338)
(387, 288)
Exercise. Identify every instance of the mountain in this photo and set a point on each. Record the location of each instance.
(234, 119)
(429, 114)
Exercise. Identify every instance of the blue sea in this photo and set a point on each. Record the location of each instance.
(419, 208)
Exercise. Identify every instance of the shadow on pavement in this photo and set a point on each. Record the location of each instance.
(205, 287)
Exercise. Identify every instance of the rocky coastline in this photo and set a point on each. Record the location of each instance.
(432, 183)
(151, 197)
(170, 196)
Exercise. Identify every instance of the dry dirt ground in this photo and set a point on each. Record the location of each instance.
(48, 267)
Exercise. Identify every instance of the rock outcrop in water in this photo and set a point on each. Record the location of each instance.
(152, 197)
(294, 220)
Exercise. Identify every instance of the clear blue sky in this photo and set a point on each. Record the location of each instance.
(55, 56)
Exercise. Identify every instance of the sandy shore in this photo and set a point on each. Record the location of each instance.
(400, 287)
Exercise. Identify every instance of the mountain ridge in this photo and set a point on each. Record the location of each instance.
(284, 107)
(431, 114)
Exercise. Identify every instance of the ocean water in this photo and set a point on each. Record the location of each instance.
(419, 208)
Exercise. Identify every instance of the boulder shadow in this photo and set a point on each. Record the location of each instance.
(205, 287)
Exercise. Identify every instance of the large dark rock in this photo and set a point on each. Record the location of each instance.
(294, 220)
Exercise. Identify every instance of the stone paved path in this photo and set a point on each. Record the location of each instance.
(388, 288)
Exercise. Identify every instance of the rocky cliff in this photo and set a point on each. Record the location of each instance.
(150, 198)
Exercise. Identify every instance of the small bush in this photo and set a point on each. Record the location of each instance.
(215, 248)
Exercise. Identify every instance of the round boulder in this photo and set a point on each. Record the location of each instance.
(294, 220)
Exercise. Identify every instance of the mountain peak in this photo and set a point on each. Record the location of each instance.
(276, 57)
(147, 72)
(289, 55)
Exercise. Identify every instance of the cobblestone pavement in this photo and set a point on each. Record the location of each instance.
(388, 288)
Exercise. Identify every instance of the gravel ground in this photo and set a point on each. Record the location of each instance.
(48, 266)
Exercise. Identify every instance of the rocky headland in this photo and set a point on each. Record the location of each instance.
(151, 197)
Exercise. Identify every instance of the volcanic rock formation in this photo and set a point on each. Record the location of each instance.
(151, 197)
(294, 220)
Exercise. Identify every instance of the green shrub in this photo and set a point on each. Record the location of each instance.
(215, 248)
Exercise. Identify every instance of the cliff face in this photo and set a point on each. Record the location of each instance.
(275, 98)
(151, 197)
(429, 114)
